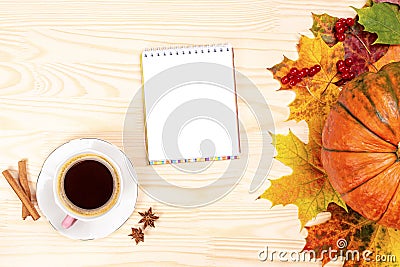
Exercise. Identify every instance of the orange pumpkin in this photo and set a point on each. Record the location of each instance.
(361, 141)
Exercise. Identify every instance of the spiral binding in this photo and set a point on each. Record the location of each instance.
(185, 50)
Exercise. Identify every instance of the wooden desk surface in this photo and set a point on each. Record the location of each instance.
(69, 69)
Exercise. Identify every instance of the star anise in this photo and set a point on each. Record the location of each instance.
(137, 234)
(148, 218)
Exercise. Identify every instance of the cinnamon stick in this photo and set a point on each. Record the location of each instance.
(21, 195)
(23, 180)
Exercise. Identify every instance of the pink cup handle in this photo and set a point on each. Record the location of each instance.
(68, 222)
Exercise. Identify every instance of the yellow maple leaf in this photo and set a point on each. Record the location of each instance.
(314, 95)
(392, 55)
(308, 186)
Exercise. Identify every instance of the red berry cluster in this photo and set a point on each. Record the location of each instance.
(341, 26)
(295, 75)
(343, 67)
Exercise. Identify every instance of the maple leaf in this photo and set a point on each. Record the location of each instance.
(392, 55)
(324, 25)
(359, 46)
(314, 95)
(382, 19)
(348, 232)
(308, 186)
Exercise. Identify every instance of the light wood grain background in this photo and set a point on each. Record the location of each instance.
(69, 69)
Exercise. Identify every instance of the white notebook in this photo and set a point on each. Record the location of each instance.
(190, 104)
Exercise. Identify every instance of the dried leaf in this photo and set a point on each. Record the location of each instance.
(308, 186)
(392, 55)
(314, 95)
(359, 46)
(382, 19)
(348, 232)
(323, 25)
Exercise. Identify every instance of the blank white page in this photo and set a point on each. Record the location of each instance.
(190, 104)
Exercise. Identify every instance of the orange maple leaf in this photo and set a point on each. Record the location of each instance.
(351, 235)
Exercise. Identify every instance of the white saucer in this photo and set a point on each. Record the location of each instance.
(109, 222)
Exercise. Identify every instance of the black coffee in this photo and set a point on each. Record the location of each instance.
(88, 184)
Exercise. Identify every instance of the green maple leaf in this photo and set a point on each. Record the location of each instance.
(360, 234)
(308, 186)
(382, 19)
